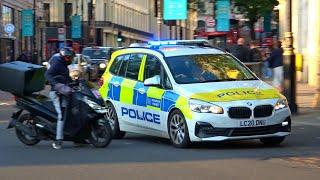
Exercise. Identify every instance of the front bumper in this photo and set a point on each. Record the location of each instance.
(215, 128)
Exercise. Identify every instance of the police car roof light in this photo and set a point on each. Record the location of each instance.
(198, 42)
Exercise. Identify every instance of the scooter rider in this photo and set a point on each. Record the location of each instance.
(59, 68)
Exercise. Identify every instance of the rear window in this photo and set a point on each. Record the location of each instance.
(99, 53)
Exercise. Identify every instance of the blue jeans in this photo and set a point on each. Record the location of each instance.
(266, 71)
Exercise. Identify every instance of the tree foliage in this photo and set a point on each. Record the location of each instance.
(254, 9)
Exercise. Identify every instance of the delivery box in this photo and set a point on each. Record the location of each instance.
(21, 78)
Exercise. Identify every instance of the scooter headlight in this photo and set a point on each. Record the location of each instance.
(204, 107)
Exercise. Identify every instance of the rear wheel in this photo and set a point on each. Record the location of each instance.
(178, 130)
(100, 135)
(112, 117)
(27, 120)
(272, 141)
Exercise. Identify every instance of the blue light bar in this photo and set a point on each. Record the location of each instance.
(159, 43)
(179, 42)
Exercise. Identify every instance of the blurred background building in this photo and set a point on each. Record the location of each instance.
(306, 35)
(104, 20)
(10, 13)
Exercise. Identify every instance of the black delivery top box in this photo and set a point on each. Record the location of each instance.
(21, 78)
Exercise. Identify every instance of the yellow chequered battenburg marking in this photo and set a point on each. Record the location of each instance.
(141, 70)
(183, 104)
(127, 90)
(236, 94)
(104, 89)
(155, 93)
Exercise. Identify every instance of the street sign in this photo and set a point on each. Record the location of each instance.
(76, 27)
(61, 34)
(223, 15)
(9, 29)
(27, 22)
(175, 10)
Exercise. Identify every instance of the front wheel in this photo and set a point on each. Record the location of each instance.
(272, 141)
(100, 135)
(27, 120)
(178, 130)
(112, 117)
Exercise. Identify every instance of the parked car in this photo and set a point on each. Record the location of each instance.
(81, 63)
(99, 56)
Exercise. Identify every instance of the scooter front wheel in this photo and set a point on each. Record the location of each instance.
(100, 135)
(23, 137)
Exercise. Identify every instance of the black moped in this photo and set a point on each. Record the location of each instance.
(85, 118)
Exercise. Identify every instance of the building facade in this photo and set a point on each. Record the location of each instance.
(12, 45)
(103, 20)
(306, 35)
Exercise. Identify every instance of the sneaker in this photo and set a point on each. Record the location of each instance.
(57, 144)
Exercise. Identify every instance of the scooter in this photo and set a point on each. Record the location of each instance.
(85, 118)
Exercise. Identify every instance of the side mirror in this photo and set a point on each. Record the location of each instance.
(153, 81)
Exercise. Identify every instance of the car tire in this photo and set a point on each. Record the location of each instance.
(272, 141)
(178, 129)
(112, 117)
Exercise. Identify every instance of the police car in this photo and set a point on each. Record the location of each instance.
(189, 92)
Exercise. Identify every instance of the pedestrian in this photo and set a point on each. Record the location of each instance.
(275, 61)
(266, 71)
(240, 51)
(24, 57)
(254, 52)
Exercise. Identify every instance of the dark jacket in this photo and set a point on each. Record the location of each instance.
(255, 55)
(276, 58)
(58, 67)
(241, 52)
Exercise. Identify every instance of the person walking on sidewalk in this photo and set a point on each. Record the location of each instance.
(275, 61)
(240, 50)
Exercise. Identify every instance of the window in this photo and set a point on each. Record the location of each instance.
(124, 65)
(46, 14)
(207, 68)
(7, 15)
(114, 69)
(67, 13)
(134, 66)
(152, 67)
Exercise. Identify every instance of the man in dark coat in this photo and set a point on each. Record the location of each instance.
(275, 61)
(58, 77)
(240, 50)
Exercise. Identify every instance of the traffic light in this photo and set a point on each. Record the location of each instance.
(119, 37)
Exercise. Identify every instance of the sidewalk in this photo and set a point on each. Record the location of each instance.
(305, 95)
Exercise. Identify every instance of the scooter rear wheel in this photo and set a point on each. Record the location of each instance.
(100, 135)
(23, 137)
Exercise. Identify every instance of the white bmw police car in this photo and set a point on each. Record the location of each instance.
(188, 92)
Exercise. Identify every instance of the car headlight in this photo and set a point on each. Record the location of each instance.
(102, 65)
(282, 103)
(204, 107)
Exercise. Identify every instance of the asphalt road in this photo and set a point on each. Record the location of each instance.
(144, 157)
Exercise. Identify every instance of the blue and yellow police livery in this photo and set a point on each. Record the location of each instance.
(187, 92)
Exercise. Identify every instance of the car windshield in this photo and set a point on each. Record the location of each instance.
(100, 53)
(207, 68)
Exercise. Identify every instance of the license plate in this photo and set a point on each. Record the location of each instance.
(252, 123)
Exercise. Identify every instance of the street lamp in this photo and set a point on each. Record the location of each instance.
(289, 88)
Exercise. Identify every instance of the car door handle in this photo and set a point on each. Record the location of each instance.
(141, 90)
